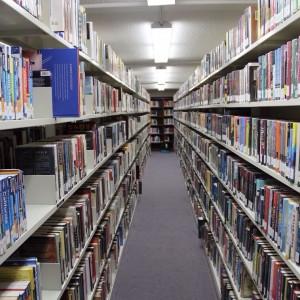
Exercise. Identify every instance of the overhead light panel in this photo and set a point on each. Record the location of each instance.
(161, 38)
(160, 2)
(161, 74)
(161, 87)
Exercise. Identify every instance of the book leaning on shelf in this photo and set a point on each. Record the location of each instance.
(13, 207)
(63, 157)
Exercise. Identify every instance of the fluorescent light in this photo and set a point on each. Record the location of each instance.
(160, 2)
(161, 38)
(161, 87)
(161, 74)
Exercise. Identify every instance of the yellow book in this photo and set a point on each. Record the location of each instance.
(16, 273)
(247, 136)
(258, 22)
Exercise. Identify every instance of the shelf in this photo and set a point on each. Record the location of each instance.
(14, 124)
(246, 158)
(58, 294)
(247, 263)
(18, 27)
(168, 116)
(230, 276)
(36, 216)
(90, 297)
(121, 253)
(268, 104)
(251, 215)
(285, 31)
(92, 171)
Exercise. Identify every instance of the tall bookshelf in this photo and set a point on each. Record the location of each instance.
(162, 129)
(231, 167)
(129, 154)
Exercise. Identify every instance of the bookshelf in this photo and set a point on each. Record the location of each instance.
(129, 154)
(162, 131)
(202, 107)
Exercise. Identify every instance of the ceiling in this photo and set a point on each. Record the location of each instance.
(198, 26)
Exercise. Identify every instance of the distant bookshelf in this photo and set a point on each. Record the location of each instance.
(161, 119)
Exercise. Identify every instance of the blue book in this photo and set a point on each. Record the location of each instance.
(6, 220)
(14, 207)
(64, 67)
(284, 224)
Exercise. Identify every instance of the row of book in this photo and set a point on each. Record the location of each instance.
(168, 112)
(34, 7)
(160, 104)
(155, 130)
(29, 76)
(96, 142)
(237, 39)
(272, 277)
(236, 87)
(66, 156)
(168, 121)
(256, 21)
(136, 123)
(224, 253)
(169, 130)
(108, 275)
(106, 99)
(109, 238)
(275, 206)
(272, 143)
(155, 104)
(101, 244)
(273, 13)
(275, 76)
(107, 58)
(278, 73)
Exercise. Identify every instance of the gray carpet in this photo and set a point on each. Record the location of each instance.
(162, 258)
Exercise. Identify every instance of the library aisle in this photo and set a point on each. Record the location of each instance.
(163, 258)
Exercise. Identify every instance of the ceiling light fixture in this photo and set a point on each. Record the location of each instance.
(161, 38)
(161, 74)
(160, 2)
(161, 87)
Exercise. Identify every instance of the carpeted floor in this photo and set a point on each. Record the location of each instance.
(162, 258)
